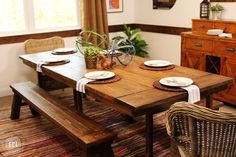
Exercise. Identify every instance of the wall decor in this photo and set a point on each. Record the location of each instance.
(114, 6)
(163, 4)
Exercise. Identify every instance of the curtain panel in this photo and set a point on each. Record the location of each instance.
(94, 17)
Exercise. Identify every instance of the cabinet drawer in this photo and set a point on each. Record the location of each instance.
(199, 44)
(202, 26)
(224, 48)
(227, 27)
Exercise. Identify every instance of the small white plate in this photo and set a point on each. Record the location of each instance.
(215, 31)
(52, 59)
(99, 75)
(176, 81)
(213, 34)
(157, 63)
(64, 50)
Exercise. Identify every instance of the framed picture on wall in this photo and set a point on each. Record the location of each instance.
(114, 6)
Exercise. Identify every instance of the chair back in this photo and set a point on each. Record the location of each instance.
(201, 132)
(40, 45)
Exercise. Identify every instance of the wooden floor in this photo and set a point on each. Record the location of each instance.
(38, 137)
(5, 101)
(44, 140)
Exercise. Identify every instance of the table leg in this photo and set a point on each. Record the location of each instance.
(40, 84)
(40, 79)
(149, 135)
(209, 100)
(78, 100)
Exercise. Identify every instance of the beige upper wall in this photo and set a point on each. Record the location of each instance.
(161, 46)
(125, 17)
(164, 46)
(180, 15)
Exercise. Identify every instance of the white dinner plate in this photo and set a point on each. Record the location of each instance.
(176, 81)
(64, 50)
(157, 63)
(52, 59)
(99, 75)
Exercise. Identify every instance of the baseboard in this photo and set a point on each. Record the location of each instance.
(5, 92)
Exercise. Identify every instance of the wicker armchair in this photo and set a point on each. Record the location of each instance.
(197, 131)
(40, 45)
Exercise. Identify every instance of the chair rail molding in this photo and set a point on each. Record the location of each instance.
(112, 28)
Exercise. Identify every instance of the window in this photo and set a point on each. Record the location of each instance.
(64, 13)
(12, 16)
(33, 16)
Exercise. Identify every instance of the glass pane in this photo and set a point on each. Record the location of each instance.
(12, 16)
(55, 13)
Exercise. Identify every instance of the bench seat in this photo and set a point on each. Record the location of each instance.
(94, 139)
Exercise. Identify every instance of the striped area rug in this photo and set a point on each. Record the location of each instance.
(36, 136)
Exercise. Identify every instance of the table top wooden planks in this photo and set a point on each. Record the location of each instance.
(134, 93)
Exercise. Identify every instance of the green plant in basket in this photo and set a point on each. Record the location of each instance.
(91, 51)
(216, 7)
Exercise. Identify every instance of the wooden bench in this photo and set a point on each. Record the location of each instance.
(93, 138)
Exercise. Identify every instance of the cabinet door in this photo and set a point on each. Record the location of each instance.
(194, 59)
(228, 69)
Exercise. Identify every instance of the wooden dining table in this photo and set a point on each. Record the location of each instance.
(134, 94)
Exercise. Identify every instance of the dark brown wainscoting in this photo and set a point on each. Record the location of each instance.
(112, 28)
(22, 38)
(162, 29)
(119, 28)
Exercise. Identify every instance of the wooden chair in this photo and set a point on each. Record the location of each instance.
(197, 131)
(40, 45)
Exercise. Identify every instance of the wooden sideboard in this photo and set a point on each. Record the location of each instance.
(211, 53)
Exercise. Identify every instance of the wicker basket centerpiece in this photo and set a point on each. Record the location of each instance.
(90, 55)
(91, 44)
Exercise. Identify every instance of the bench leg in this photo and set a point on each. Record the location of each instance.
(103, 150)
(15, 108)
(33, 111)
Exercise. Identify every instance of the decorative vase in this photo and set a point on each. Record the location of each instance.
(216, 15)
(91, 62)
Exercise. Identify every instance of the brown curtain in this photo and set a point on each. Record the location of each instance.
(94, 17)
